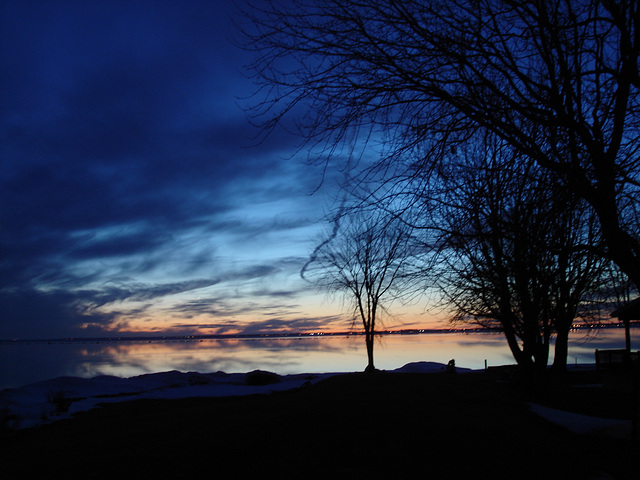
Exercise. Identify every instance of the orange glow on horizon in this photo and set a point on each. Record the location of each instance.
(316, 316)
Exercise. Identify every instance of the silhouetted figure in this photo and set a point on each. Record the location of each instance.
(451, 366)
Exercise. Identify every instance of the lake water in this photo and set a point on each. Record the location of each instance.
(26, 362)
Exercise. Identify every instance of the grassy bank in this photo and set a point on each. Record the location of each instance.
(388, 425)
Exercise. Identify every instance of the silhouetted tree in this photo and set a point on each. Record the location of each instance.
(369, 260)
(557, 80)
(518, 252)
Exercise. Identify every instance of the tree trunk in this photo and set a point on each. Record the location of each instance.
(622, 247)
(512, 341)
(561, 350)
(369, 339)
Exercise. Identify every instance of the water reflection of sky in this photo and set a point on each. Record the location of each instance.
(26, 363)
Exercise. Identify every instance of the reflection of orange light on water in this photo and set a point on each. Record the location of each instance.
(306, 354)
(310, 354)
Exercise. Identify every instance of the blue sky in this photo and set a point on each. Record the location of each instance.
(133, 197)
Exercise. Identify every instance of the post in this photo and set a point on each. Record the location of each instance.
(627, 335)
(635, 420)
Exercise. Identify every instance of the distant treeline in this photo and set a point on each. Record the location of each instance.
(191, 338)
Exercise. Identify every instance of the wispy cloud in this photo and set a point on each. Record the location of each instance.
(130, 184)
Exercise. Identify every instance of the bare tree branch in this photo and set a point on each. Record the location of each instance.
(557, 80)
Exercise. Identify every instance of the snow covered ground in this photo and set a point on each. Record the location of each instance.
(60, 398)
(578, 423)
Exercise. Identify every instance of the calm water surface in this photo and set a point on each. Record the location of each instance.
(23, 363)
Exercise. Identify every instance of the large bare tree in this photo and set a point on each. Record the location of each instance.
(556, 79)
(519, 253)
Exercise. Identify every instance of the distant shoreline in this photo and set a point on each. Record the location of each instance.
(187, 338)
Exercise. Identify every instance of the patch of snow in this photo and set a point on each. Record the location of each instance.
(427, 367)
(61, 397)
(584, 424)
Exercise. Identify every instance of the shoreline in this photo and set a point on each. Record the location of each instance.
(63, 397)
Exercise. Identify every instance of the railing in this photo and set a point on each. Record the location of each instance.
(616, 358)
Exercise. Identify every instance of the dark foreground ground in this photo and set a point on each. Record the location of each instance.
(386, 425)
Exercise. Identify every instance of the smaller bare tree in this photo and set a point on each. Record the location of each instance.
(369, 260)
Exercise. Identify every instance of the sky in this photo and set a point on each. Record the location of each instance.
(134, 197)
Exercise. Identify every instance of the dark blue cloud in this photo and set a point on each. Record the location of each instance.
(129, 176)
(31, 313)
